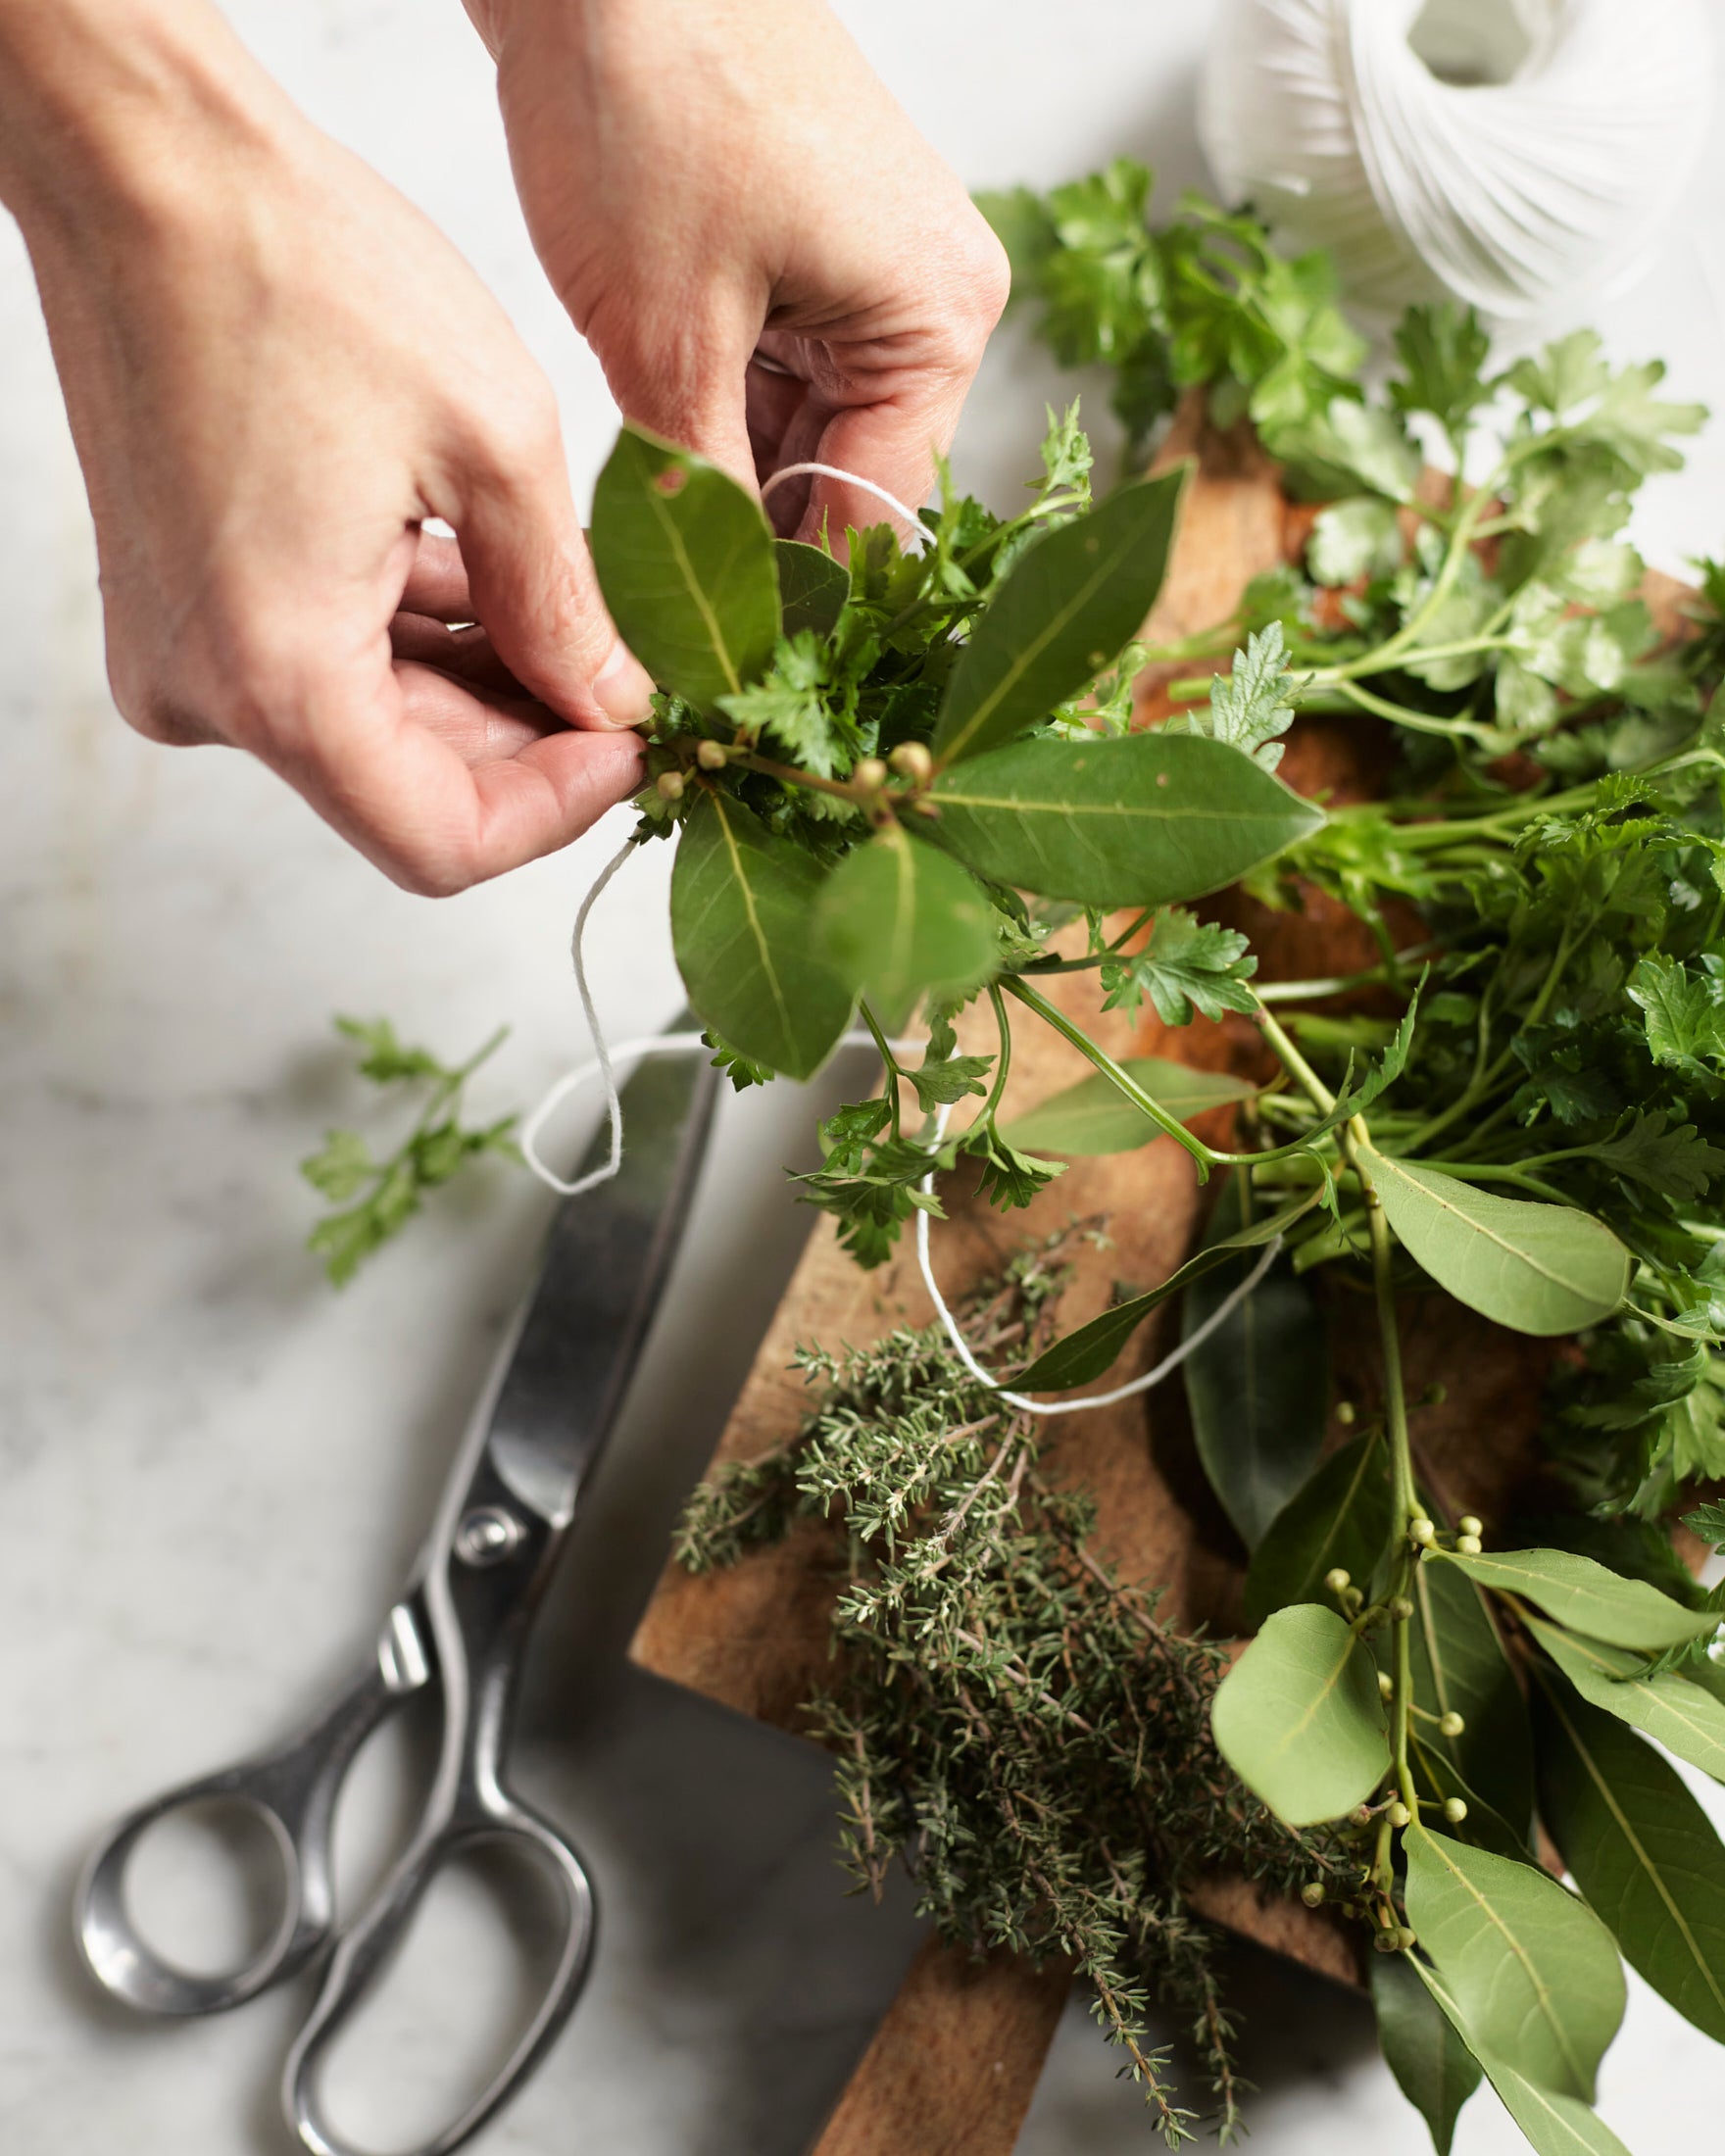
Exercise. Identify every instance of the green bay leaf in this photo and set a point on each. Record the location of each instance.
(1554, 2123)
(1433, 2068)
(741, 905)
(1460, 1667)
(1258, 1385)
(1684, 1717)
(1095, 1117)
(1639, 1848)
(1077, 595)
(1342, 1516)
(685, 561)
(1143, 820)
(1531, 1970)
(1299, 1718)
(1587, 1596)
(898, 918)
(1541, 1269)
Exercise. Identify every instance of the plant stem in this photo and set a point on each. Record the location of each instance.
(1407, 1502)
(1015, 985)
(895, 1071)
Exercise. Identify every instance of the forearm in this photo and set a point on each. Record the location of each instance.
(106, 103)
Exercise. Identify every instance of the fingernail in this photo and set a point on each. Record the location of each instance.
(622, 688)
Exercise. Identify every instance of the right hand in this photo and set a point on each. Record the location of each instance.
(275, 371)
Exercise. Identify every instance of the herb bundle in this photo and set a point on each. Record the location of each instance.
(897, 775)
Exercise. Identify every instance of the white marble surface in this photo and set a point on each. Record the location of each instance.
(214, 1469)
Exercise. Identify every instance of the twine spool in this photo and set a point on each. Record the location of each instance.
(1508, 153)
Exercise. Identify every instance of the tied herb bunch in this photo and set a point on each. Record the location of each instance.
(896, 775)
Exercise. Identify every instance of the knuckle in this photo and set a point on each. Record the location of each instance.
(984, 280)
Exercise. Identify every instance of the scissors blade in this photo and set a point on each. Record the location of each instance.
(605, 1264)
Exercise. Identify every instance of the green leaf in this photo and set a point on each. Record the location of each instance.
(343, 1166)
(1708, 1522)
(1641, 1851)
(1087, 1352)
(1586, 1596)
(1299, 1718)
(898, 919)
(1258, 1386)
(1342, 1516)
(386, 1062)
(793, 701)
(741, 906)
(1531, 1970)
(1250, 706)
(1682, 1012)
(1352, 443)
(1074, 598)
(686, 564)
(1442, 350)
(1095, 1117)
(1556, 2123)
(1460, 1667)
(1676, 1162)
(1354, 539)
(1538, 1269)
(1685, 1718)
(812, 587)
(1433, 2068)
(1146, 820)
(944, 1076)
(1186, 966)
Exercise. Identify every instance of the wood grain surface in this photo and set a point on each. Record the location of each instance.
(954, 2064)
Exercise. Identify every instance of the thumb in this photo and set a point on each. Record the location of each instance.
(537, 598)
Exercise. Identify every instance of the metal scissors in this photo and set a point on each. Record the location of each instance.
(460, 1626)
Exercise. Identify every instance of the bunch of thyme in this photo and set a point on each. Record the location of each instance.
(1014, 1724)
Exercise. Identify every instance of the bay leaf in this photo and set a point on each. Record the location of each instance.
(1076, 596)
(1541, 1269)
(685, 561)
(1299, 1718)
(741, 905)
(1641, 1848)
(1531, 1970)
(1141, 820)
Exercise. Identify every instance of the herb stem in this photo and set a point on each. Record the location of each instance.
(1123, 1080)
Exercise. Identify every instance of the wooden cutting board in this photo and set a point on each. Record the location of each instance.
(953, 2068)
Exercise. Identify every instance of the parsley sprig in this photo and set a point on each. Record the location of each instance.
(374, 1197)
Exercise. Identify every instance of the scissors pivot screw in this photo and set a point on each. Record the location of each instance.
(487, 1536)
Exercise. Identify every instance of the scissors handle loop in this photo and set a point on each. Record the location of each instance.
(292, 1790)
(364, 1949)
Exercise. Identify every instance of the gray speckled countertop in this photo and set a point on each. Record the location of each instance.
(214, 1469)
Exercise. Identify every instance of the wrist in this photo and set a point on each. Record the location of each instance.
(111, 105)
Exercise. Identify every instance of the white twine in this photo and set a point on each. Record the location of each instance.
(1170, 1363)
(918, 529)
(1512, 153)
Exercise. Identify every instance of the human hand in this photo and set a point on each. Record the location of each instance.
(710, 180)
(276, 369)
